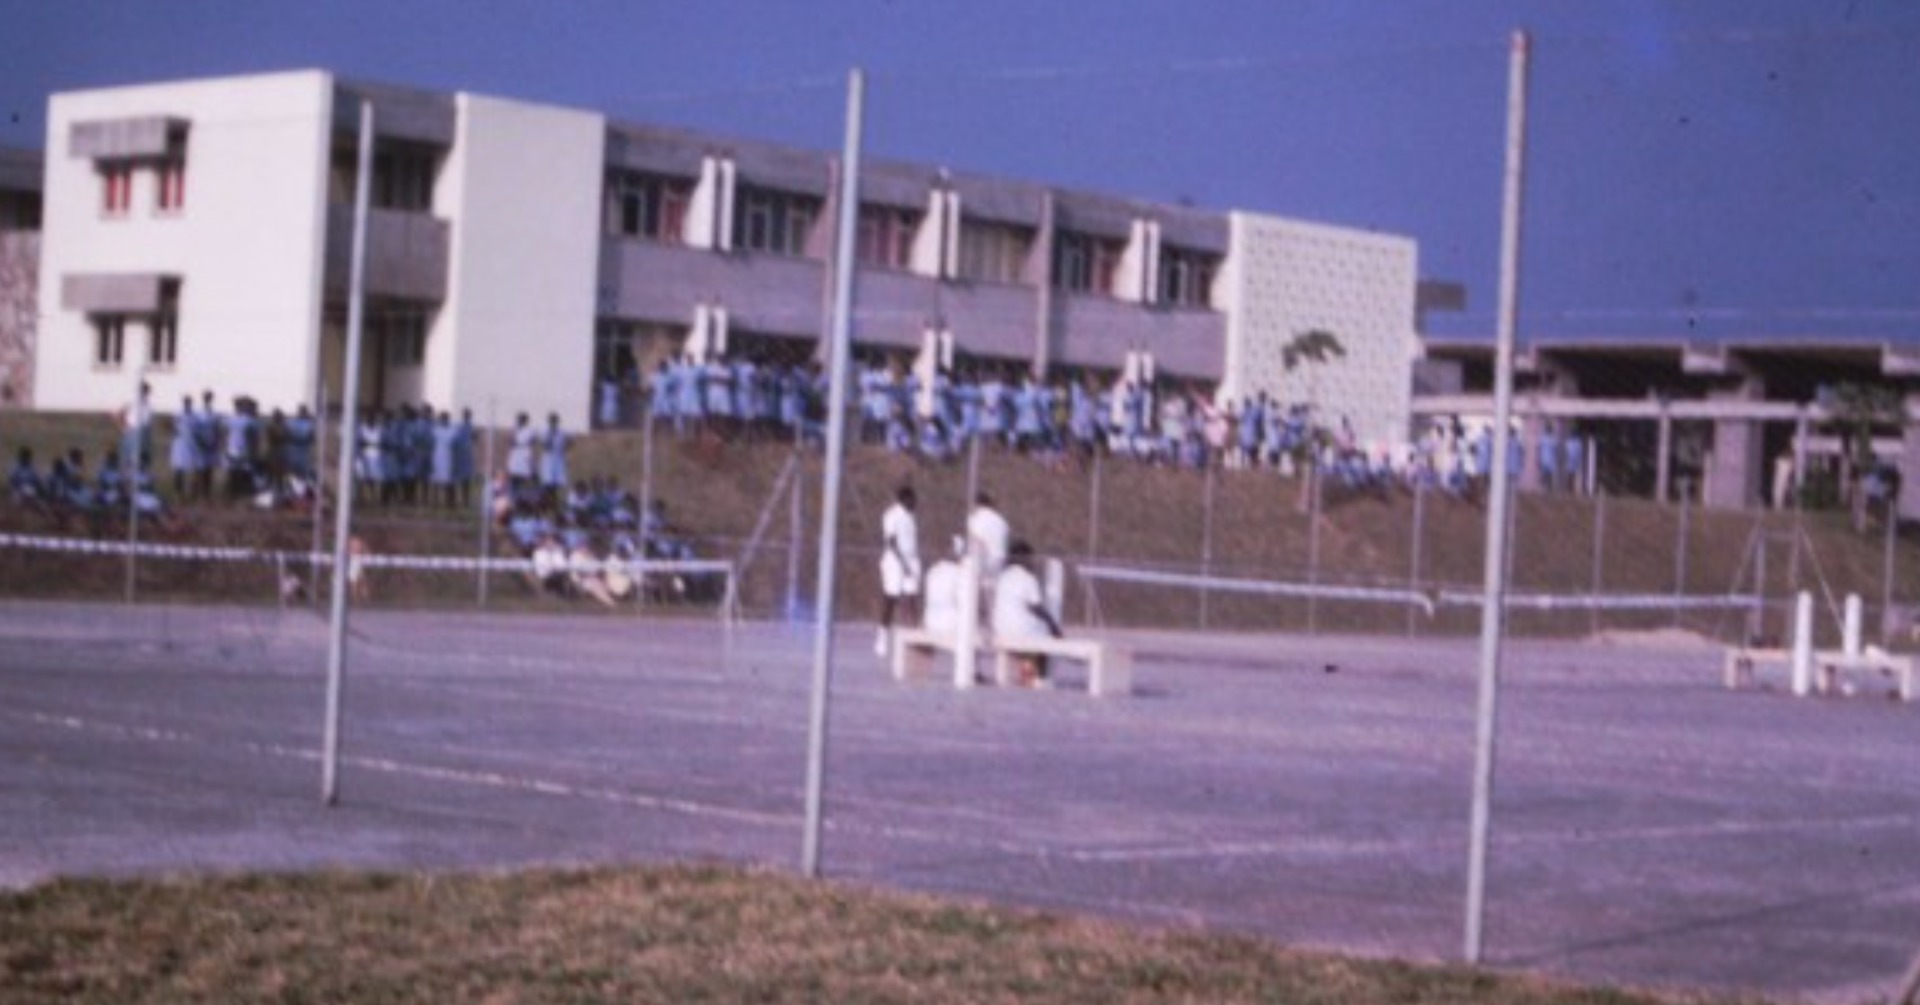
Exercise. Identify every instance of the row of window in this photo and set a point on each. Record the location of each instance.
(169, 176)
(654, 208)
(110, 340)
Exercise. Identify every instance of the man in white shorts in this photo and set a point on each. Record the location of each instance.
(899, 562)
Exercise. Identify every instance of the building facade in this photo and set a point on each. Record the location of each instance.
(197, 236)
(20, 172)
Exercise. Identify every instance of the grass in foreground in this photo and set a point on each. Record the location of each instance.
(645, 935)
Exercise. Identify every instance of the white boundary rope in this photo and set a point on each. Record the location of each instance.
(441, 563)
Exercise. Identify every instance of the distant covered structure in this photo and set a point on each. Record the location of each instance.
(1730, 422)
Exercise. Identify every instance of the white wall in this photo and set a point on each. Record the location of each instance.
(522, 189)
(249, 243)
(1284, 277)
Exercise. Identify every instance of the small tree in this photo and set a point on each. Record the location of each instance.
(1855, 412)
(1312, 348)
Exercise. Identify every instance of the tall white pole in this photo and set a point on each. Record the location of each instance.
(1493, 603)
(343, 511)
(841, 335)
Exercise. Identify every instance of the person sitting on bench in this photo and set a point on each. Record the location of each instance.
(1020, 612)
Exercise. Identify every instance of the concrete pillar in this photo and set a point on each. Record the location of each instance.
(1043, 319)
(1532, 427)
(1910, 461)
(1734, 474)
(1802, 643)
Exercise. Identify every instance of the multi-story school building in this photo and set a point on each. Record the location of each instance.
(197, 233)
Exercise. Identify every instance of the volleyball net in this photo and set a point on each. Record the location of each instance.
(1120, 594)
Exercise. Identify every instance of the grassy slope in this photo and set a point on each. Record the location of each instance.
(1146, 516)
(678, 935)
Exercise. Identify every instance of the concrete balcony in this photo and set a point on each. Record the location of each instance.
(406, 254)
(1095, 331)
(771, 294)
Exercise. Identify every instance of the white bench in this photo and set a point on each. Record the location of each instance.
(1742, 663)
(1109, 667)
(915, 651)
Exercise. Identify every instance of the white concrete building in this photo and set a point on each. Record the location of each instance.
(519, 252)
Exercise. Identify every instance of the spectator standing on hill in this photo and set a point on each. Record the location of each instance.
(301, 430)
(1020, 611)
(206, 439)
(440, 471)
(899, 562)
(520, 452)
(463, 467)
(242, 442)
(553, 470)
(136, 422)
(184, 453)
(23, 482)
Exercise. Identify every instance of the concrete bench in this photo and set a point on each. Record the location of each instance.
(915, 651)
(1109, 666)
(1742, 664)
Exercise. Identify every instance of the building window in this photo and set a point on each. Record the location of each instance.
(403, 174)
(116, 188)
(1085, 264)
(647, 206)
(109, 341)
(993, 252)
(404, 335)
(1186, 278)
(163, 341)
(171, 176)
(885, 240)
(777, 222)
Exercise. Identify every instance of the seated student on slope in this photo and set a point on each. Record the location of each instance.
(1020, 612)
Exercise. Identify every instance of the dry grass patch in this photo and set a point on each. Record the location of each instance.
(677, 935)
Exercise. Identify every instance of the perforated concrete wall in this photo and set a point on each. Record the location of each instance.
(1283, 278)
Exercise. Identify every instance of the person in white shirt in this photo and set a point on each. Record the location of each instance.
(899, 562)
(1020, 611)
(940, 598)
(987, 536)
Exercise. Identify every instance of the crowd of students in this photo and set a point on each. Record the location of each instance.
(941, 413)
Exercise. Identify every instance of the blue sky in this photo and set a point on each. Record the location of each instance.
(1716, 167)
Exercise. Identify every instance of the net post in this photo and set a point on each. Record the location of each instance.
(839, 337)
(343, 523)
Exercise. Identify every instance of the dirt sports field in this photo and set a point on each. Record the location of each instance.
(1651, 829)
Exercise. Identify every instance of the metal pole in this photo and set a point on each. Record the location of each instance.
(343, 513)
(794, 533)
(1093, 538)
(1663, 473)
(836, 448)
(1680, 555)
(485, 495)
(1909, 993)
(1206, 543)
(130, 465)
(1417, 556)
(1886, 573)
(646, 470)
(1313, 542)
(319, 484)
(1599, 564)
(973, 470)
(1493, 606)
